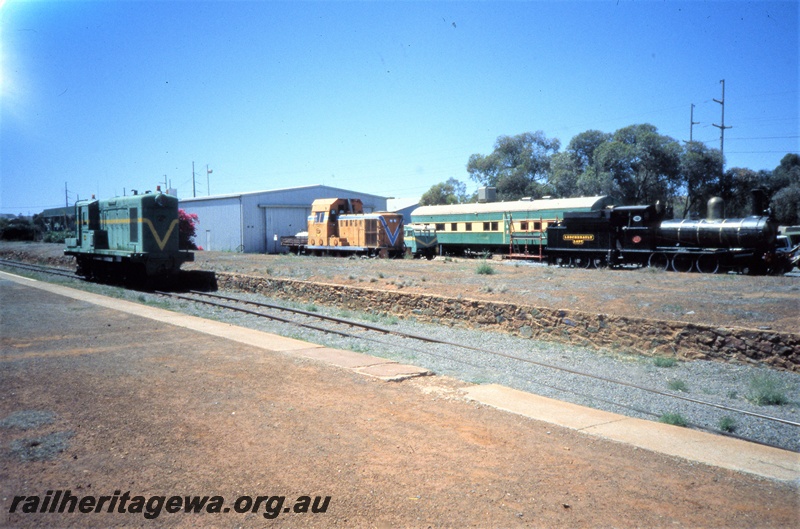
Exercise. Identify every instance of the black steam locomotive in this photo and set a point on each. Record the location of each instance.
(639, 236)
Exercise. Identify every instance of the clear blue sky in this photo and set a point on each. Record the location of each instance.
(381, 97)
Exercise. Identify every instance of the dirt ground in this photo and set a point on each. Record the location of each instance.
(725, 299)
(103, 401)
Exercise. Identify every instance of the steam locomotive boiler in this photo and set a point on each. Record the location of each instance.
(638, 235)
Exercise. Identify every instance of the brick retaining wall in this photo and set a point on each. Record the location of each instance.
(639, 335)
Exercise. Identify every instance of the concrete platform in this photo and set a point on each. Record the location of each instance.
(716, 450)
(688, 444)
(363, 363)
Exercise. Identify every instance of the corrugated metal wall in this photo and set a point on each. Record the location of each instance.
(255, 222)
(219, 223)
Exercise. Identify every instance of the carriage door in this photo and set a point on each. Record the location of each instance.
(371, 232)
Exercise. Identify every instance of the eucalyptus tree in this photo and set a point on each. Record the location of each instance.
(574, 171)
(736, 189)
(785, 184)
(519, 165)
(453, 191)
(643, 165)
(700, 175)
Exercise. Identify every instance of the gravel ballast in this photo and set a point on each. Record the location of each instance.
(724, 384)
(712, 382)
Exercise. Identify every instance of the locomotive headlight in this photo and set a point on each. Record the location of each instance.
(161, 200)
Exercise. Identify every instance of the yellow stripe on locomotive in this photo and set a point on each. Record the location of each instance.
(125, 236)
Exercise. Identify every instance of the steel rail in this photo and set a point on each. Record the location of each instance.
(505, 355)
(374, 328)
(40, 268)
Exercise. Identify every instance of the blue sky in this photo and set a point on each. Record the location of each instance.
(381, 97)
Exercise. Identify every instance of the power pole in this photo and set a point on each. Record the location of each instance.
(194, 192)
(66, 195)
(722, 126)
(692, 123)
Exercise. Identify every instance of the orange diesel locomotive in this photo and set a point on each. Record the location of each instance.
(339, 226)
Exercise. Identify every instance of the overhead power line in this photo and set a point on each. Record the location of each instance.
(786, 151)
(765, 138)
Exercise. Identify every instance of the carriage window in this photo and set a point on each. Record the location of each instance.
(523, 226)
(440, 227)
(468, 226)
(494, 226)
(537, 226)
(486, 226)
(453, 226)
(134, 224)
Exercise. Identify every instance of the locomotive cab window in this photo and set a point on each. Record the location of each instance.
(134, 220)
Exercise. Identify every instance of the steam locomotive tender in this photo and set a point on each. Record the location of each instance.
(638, 235)
(127, 238)
(339, 226)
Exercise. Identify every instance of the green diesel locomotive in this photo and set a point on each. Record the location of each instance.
(127, 238)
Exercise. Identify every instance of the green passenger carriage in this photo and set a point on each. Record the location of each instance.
(517, 228)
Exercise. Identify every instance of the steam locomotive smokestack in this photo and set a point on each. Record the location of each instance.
(759, 201)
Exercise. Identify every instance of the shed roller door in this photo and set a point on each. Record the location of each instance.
(282, 222)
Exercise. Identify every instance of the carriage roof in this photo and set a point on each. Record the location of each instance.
(544, 204)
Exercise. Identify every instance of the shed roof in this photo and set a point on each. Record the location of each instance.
(334, 191)
(59, 212)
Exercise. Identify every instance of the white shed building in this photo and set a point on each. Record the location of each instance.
(254, 222)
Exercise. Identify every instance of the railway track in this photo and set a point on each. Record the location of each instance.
(30, 267)
(528, 373)
(464, 354)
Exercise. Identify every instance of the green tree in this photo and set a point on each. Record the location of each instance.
(643, 165)
(736, 189)
(785, 187)
(583, 146)
(700, 172)
(519, 165)
(785, 205)
(452, 191)
(17, 229)
(564, 174)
